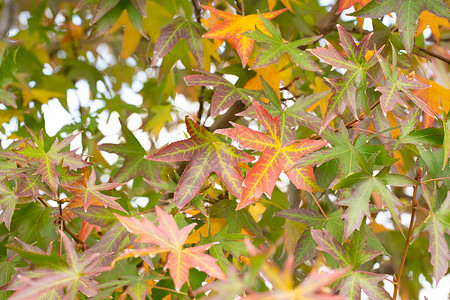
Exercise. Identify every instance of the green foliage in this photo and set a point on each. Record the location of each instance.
(155, 149)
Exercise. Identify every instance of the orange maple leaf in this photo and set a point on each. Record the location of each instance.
(428, 19)
(344, 4)
(276, 157)
(433, 96)
(232, 27)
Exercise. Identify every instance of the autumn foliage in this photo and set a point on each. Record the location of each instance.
(222, 149)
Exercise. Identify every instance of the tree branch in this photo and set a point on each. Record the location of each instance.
(415, 202)
(432, 54)
(328, 23)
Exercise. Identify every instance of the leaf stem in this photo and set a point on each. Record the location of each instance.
(43, 201)
(318, 204)
(169, 290)
(408, 238)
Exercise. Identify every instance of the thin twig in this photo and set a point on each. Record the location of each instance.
(414, 204)
(43, 202)
(432, 54)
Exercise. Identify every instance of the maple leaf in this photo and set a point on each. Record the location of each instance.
(356, 255)
(171, 239)
(433, 96)
(226, 94)
(173, 32)
(365, 183)
(7, 98)
(86, 191)
(276, 157)
(49, 159)
(396, 83)
(278, 46)
(350, 153)
(8, 201)
(354, 81)
(408, 12)
(306, 247)
(206, 153)
(344, 4)
(232, 27)
(428, 19)
(134, 164)
(75, 275)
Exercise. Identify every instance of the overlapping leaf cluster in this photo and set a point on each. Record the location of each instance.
(312, 142)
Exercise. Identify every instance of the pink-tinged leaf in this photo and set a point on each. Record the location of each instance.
(354, 282)
(101, 9)
(173, 32)
(171, 239)
(276, 157)
(206, 153)
(327, 243)
(438, 248)
(87, 190)
(226, 94)
(332, 57)
(78, 275)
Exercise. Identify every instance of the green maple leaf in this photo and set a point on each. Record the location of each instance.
(354, 82)
(408, 12)
(306, 247)
(396, 83)
(173, 32)
(226, 93)
(364, 184)
(358, 253)
(135, 163)
(48, 159)
(351, 154)
(278, 46)
(206, 153)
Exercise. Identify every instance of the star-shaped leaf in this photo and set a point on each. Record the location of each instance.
(232, 27)
(169, 238)
(8, 201)
(278, 46)
(351, 284)
(354, 81)
(408, 12)
(396, 83)
(173, 32)
(276, 157)
(428, 19)
(226, 94)
(86, 190)
(358, 202)
(134, 164)
(206, 153)
(76, 275)
(47, 160)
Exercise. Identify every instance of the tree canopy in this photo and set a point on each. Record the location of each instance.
(188, 149)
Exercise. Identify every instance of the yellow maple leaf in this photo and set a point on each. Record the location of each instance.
(131, 35)
(428, 19)
(318, 87)
(270, 74)
(215, 224)
(286, 3)
(232, 27)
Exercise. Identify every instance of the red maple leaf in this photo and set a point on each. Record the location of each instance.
(276, 157)
(206, 153)
(169, 238)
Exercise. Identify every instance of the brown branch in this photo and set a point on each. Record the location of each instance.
(43, 201)
(328, 23)
(229, 116)
(414, 204)
(432, 54)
